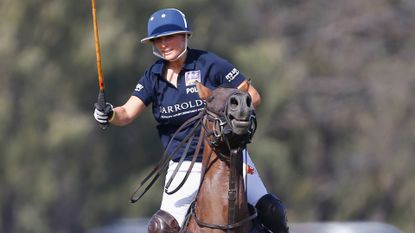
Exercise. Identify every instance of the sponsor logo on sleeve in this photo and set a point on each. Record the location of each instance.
(231, 75)
(138, 87)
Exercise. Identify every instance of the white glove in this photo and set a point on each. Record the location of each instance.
(103, 116)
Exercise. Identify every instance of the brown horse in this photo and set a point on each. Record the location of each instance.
(228, 125)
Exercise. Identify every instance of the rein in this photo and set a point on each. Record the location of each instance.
(141, 189)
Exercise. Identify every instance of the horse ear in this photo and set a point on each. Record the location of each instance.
(244, 86)
(203, 91)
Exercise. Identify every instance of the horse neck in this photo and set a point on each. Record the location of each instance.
(212, 201)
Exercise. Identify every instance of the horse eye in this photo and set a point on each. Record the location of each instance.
(210, 99)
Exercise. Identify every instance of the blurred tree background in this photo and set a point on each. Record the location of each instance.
(336, 136)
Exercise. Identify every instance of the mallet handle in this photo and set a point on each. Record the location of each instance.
(97, 48)
(101, 95)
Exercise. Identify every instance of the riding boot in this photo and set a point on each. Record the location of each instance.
(272, 213)
(163, 222)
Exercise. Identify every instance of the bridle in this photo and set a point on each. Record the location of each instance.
(222, 129)
(218, 140)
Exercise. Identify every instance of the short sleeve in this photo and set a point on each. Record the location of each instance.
(144, 87)
(226, 74)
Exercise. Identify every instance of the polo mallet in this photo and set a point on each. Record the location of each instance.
(101, 104)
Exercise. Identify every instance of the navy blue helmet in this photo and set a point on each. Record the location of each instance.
(166, 22)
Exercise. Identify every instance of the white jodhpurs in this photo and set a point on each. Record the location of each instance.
(177, 204)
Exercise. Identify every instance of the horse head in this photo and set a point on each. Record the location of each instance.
(231, 116)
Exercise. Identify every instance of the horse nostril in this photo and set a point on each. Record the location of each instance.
(234, 102)
(248, 101)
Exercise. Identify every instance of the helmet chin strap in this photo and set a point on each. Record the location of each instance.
(158, 54)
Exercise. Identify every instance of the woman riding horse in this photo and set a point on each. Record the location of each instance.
(169, 85)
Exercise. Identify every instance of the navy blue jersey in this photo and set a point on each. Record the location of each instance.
(171, 105)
